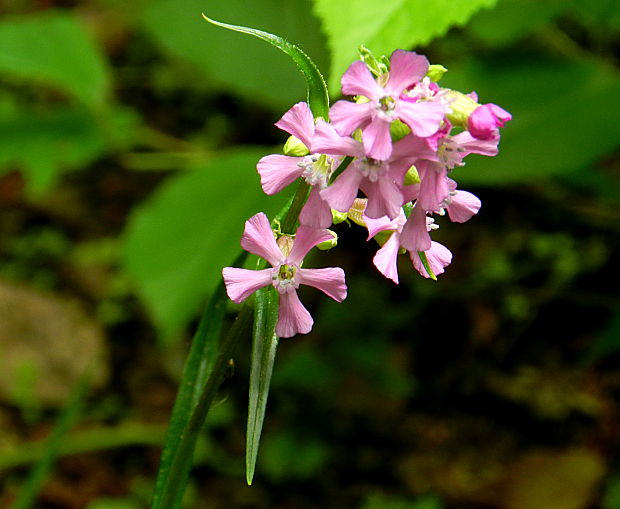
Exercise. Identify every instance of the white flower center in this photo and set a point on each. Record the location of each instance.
(450, 153)
(372, 169)
(386, 108)
(317, 169)
(284, 278)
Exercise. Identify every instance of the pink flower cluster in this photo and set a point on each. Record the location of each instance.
(396, 143)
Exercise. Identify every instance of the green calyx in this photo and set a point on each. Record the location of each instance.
(328, 244)
(462, 106)
(435, 72)
(398, 130)
(295, 147)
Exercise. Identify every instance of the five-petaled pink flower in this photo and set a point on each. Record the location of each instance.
(385, 104)
(286, 273)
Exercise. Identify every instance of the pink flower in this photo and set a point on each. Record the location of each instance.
(381, 181)
(486, 119)
(386, 258)
(278, 171)
(384, 104)
(286, 273)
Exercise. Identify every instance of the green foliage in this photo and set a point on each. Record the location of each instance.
(43, 144)
(382, 502)
(240, 64)
(288, 456)
(177, 243)
(553, 103)
(53, 48)
(264, 345)
(385, 26)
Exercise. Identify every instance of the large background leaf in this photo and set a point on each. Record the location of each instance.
(385, 26)
(230, 60)
(178, 242)
(53, 48)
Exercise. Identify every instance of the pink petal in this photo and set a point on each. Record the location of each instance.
(422, 117)
(384, 198)
(293, 317)
(241, 283)
(258, 239)
(414, 147)
(278, 171)
(386, 259)
(377, 140)
(406, 68)
(347, 116)
(434, 188)
(470, 145)
(329, 280)
(299, 122)
(316, 213)
(343, 191)
(357, 80)
(438, 256)
(485, 120)
(379, 224)
(305, 239)
(415, 236)
(328, 141)
(463, 206)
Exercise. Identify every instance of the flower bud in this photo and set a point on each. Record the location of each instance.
(398, 130)
(338, 217)
(295, 147)
(412, 176)
(484, 121)
(462, 106)
(435, 72)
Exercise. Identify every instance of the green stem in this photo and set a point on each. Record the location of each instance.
(290, 220)
(181, 462)
(341, 167)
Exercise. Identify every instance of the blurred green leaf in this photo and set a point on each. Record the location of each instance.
(385, 26)
(177, 243)
(244, 65)
(264, 345)
(44, 144)
(383, 502)
(514, 19)
(564, 115)
(290, 456)
(53, 48)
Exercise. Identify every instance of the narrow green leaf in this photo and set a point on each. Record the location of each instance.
(426, 265)
(385, 26)
(198, 367)
(43, 467)
(54, 48)
(169, 493)
(264, 347)
(318, 98)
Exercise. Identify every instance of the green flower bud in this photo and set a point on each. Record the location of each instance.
(376, 66)
(398, 130)
(462, 106)
(338, 217)
(435, 72)
(328, 244)
(295, 147)
(412, 176)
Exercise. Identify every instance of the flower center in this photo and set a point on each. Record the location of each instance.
(450, 153)
(283, 278)
(317, 169)
(372, 169)
(386, 107)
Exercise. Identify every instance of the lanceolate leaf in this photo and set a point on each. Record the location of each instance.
(263, 357)
(318, 98)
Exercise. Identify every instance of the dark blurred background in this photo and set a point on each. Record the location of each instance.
(129, 134)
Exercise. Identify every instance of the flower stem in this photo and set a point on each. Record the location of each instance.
(290, 220)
